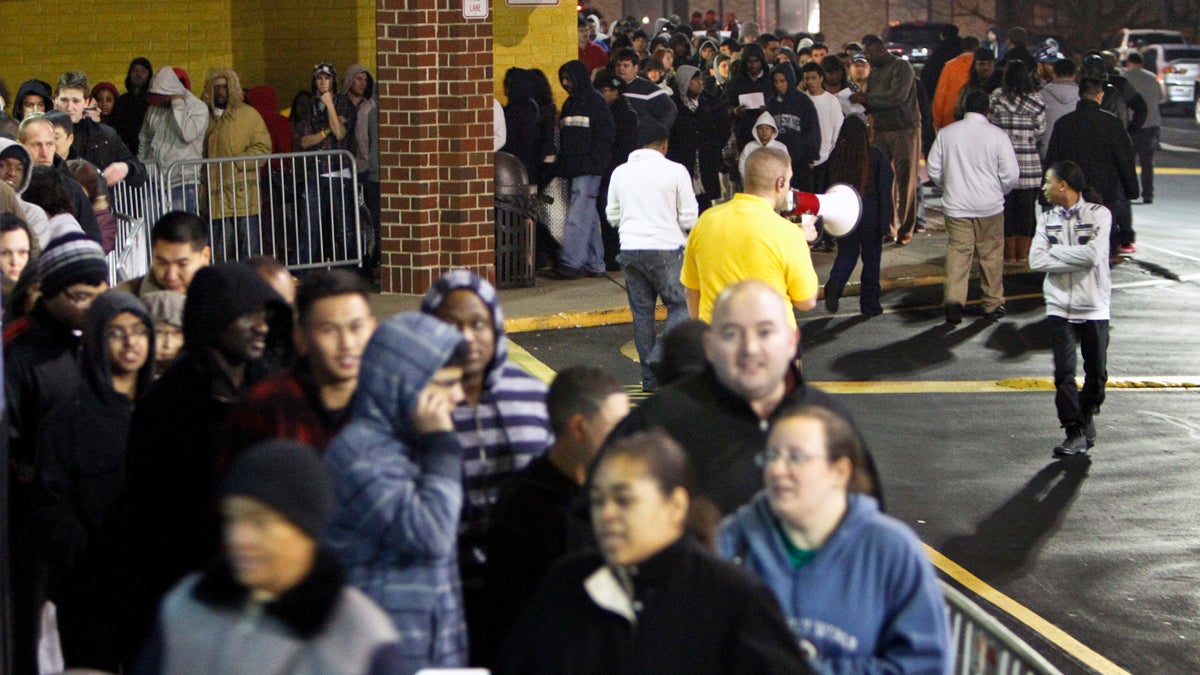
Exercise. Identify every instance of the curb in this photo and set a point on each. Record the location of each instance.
(585, 319)
(623, 315)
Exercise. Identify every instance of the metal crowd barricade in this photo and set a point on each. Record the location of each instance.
(984, 646)
(299, 208)
(136, 209)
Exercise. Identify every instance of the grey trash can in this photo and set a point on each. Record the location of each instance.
(516, 208)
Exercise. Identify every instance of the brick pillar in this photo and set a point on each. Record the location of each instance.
(435, 142)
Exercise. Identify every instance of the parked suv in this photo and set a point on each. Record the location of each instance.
(1176, 67)
(915, 40)
(1136, 38)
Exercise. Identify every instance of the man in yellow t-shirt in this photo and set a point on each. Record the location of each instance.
(745, 238)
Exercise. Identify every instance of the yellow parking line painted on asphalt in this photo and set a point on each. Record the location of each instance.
(1023, 614)
(931, 387)
(530, 363)
(1010, 385)
(589, 319)
(1052, 633)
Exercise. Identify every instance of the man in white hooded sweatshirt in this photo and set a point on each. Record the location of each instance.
(173, 130)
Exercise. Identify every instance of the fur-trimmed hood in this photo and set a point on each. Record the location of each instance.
(232, 81)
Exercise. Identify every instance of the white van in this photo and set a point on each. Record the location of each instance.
(1136, 38)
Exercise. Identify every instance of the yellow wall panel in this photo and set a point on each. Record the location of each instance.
(274, 42)
(533, 37)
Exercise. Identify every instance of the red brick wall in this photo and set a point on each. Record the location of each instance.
(435, 142)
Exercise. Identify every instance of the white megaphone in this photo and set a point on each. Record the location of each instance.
(840, 206)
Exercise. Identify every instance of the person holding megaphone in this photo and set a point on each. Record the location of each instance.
(746, 238)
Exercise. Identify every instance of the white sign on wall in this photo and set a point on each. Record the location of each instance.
(475, 9)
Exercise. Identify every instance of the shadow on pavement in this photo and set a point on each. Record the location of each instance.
(1013, 340)
(823, 330)
(1003, 542)
(929, 348)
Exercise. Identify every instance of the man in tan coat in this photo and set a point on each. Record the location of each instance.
(234, 130)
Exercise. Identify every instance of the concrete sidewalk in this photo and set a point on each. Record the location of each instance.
(552, 304)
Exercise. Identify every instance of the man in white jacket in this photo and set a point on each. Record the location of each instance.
(173, 130)
(1071, 246)
(975, 164)
(652, 206)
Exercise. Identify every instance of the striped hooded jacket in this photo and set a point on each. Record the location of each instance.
(500, 435)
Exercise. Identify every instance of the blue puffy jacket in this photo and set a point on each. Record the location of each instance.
(399, 494)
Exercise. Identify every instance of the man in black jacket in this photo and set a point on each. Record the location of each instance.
(799, 127)
(37, 135)
(646, 98)
(700, 133)
(626, 122)
(1096, 140)
(586, 134)
(130, 108)
(81, 449)
(233, 325)
(97, 143)
(1017, 39)
(721, 416)
(41, 373)
(752, 77)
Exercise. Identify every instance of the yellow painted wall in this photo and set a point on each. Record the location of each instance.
(100, 38)
(275, 42)
(533, 37)
(298, 34)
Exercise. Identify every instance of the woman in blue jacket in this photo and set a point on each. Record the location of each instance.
(855, 584)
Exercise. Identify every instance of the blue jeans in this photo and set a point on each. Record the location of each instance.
(582, 245)
(865, 240)
(650, 275)
(183, 198)
(329, 215)
(238, 237)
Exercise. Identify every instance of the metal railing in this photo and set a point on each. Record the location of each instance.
(984, 646)
(299, 208)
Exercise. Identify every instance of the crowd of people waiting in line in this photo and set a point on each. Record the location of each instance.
(304, 488)
(654, 142)
(94, 138)
(210, 465)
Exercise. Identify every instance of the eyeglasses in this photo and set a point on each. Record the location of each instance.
(121, 335)
(793, 458)
(80, 297)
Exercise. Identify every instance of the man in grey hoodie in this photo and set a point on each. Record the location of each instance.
(359, 86)
(1060, 95)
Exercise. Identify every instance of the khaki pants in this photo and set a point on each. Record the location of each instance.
(903, 147)
(983, 237)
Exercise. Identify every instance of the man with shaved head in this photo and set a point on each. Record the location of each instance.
(721, 416)
(746, 238)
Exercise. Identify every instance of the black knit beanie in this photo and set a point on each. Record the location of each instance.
(73, 258)
(289, 477)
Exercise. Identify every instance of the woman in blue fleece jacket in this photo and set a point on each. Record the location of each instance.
(855, 584)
